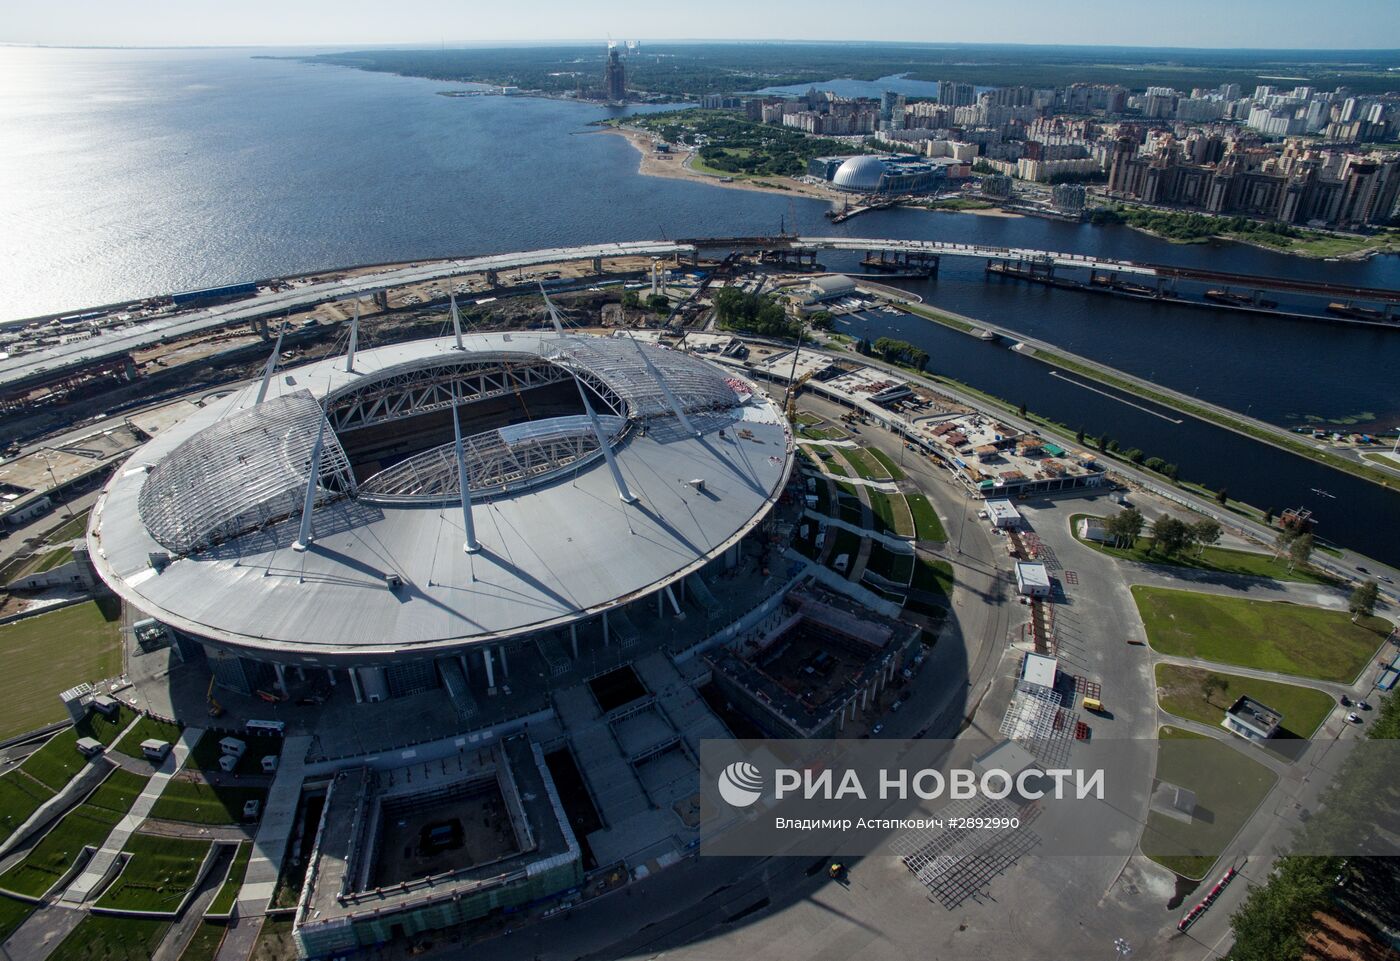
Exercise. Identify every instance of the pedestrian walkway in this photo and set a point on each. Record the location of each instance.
(97, 868)
(900, 545)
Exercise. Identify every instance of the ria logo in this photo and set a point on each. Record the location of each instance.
(740, 784)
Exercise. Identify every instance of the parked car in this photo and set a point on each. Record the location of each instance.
(1346, 701)
(1354, 718)
(1363, 705)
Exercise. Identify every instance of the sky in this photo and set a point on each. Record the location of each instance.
(1312, 24)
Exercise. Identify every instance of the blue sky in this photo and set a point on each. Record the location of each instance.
(1345, 24)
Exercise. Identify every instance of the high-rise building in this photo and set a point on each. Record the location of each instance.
(614, 77)
(953, 94)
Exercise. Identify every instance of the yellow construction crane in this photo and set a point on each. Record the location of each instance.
(215, 708)
(793, 391)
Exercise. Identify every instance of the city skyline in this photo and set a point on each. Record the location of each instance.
(1252, 24)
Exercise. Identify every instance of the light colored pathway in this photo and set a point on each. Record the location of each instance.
(1332, 687)
(41, 932)
(87, 882)
(269, 847)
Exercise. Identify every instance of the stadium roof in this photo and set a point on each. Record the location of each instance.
(554, 550)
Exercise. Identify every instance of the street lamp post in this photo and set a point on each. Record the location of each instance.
(1122, 948)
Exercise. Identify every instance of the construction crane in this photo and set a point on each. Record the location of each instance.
(215, 708)
(793, 392)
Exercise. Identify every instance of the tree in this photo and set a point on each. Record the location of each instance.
(1125, 527)
(1207, 534)
(1221, 496)
(1169, 536)
(1022, 409)
(1213, 684)
(1300, 550)
(1269, 517)
(821, 319)
(630, 299)
(1079, 436)
(1362, 602)
(1102, 443)
(1169, 471)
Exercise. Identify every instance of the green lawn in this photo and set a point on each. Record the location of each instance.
(46, 654)
(927, 526)
(12, 915)
(47, 562)
(20, 797)
(145, 729)
(71, 530)
(898, 568)
(58, 760)
(1228, 785)
(87, 824)
(228, 893)
(205, 943)
(106, 937)
(1266, 635)
(863, 464)
(1219, 559)
(1179, 692)
(891, 513)
(158, 875)
(274, 941)
(844, 543)
(886, 462)
(197, 802)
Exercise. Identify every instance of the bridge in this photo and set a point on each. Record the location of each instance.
(58, 362)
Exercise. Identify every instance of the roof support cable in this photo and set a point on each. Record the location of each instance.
(271, 365)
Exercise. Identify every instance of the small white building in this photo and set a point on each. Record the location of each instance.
(1092, 529)
(233, 747)
(822, 289)
(1032, 579)
(1039, 669)
(1003, 514)
(89, 746)
(155, 749)
(1252, 720)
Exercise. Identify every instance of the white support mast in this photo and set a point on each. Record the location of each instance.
(271, 365)
(456, 324)
(623, 491)
(471, 546)
(354, 340)
(665, 388)
(304, 536)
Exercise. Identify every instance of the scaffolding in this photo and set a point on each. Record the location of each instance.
(242, 474)
(510, 458)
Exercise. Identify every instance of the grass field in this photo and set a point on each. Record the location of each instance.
(1228, 786)
(12, 915)
(87, 824)
(49, 653)
(104, 937)
(898, 568)
(197, 802)
(845, 543)
(72, 529)
(228, 892)
(58, 760)
(205, 943)
(145, 729)
(886, 462)
(1267, 635)
(891, 513)
(158, 875)
(863, 464)
(1179, 692)
(927, 526)
(1219, 559)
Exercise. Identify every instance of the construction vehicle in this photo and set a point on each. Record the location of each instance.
(215, 708)
(837, 871)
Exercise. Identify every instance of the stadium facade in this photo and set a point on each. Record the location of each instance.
(601, 473)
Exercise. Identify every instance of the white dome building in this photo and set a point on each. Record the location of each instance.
(861, 174)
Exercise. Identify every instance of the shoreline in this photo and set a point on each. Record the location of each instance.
(676, 166)
(1356, 256)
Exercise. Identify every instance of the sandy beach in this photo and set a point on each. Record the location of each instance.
(676, 165)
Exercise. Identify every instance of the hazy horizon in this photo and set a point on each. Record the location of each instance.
(1186, 24)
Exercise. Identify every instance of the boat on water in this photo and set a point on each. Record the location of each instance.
(1360, 313)
(1239, 299)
